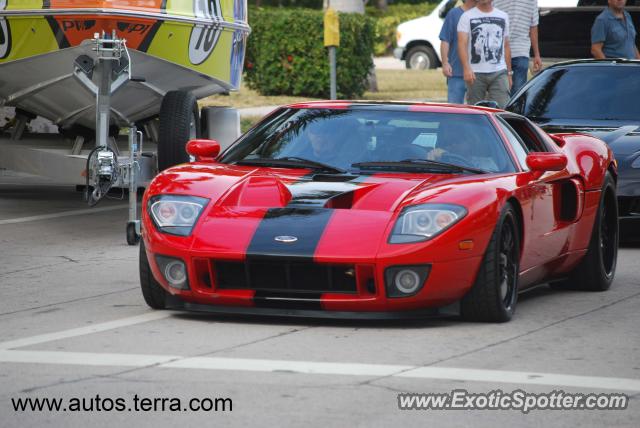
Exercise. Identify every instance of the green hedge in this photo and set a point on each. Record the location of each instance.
(286, 54)
(387, 22)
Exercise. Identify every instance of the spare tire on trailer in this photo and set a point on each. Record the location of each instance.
(179, 123)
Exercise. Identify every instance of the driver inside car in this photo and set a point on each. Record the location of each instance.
(459, 145)
(324, 146)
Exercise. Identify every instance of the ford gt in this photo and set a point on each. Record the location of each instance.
(380, 209)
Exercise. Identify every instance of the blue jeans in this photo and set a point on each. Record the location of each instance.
(456, 89)
(520, 67)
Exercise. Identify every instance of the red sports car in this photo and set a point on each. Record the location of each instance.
(361, 209)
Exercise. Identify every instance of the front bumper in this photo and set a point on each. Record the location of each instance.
(398, 53)
(447, 282)
(175, 303)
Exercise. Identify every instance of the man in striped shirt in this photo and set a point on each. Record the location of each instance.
(523, 25)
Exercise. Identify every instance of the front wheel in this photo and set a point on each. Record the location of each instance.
(152, 291)
(494, 294)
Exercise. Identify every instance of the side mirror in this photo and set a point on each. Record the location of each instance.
(557, 139)
(546, 161)
(203, 150)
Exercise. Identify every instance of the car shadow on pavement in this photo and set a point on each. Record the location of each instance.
(405, 323)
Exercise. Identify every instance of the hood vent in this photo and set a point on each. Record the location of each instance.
(333, 178)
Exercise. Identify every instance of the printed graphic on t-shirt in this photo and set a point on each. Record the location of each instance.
(487, 40)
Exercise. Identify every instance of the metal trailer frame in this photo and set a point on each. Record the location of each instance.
(49, 155)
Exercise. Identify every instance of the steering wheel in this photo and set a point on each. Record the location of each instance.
(455, 159)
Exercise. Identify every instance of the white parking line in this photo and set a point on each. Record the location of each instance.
(80, 331)
(83, 358)
(311, 367)
(524, 378)
(61, 214)
(8, 354)
(307, 367)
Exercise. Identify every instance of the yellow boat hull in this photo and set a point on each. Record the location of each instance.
(174, 44)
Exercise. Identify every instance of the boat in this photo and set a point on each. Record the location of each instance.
(108, 74)
(181, 44)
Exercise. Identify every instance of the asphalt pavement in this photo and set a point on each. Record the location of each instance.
(73, 325)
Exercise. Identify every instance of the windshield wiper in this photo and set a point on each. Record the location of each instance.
(420, 163)
(293, 162)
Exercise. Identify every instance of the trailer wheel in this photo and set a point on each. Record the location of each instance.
(132, 234)
(179, 123)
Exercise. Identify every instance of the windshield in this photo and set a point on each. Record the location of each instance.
(583, 92)
(348, 139)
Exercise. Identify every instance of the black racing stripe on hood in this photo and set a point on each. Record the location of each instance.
(306, 225)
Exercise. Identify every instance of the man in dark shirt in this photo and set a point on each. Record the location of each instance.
(613, 34)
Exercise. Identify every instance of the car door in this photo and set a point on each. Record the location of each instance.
(546, 234)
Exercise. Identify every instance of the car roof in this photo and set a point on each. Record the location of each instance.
(397, 105)
(599, 62)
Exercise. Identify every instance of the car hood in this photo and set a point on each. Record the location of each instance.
(622, 136)
(332, 215)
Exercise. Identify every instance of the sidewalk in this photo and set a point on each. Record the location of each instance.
(388, 63)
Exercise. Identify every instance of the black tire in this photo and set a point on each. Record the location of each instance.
(598, 267)
(421, 58)
(179, 123)
(132, 236)
(153, 293)
(494, 294)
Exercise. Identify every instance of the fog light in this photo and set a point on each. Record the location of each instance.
(407, 281)
(404, 281)
(174, 271)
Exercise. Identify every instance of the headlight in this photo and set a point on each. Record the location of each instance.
(422, 222)
(176, 214)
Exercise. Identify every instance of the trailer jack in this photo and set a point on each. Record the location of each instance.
(105, 169)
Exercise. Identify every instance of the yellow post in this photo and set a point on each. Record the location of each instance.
(331, 28)
(331, 41)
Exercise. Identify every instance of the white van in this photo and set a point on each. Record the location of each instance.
(419, 39)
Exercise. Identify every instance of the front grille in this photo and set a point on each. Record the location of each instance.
(285, 276)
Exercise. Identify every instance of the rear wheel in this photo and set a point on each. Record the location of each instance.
(421, 58)
(152, 291)
(494, 294)
(179, 123)
(597, 269)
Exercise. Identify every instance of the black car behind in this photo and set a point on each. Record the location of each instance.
(599, 97)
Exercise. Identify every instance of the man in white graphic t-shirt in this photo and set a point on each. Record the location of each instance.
(483, 47)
